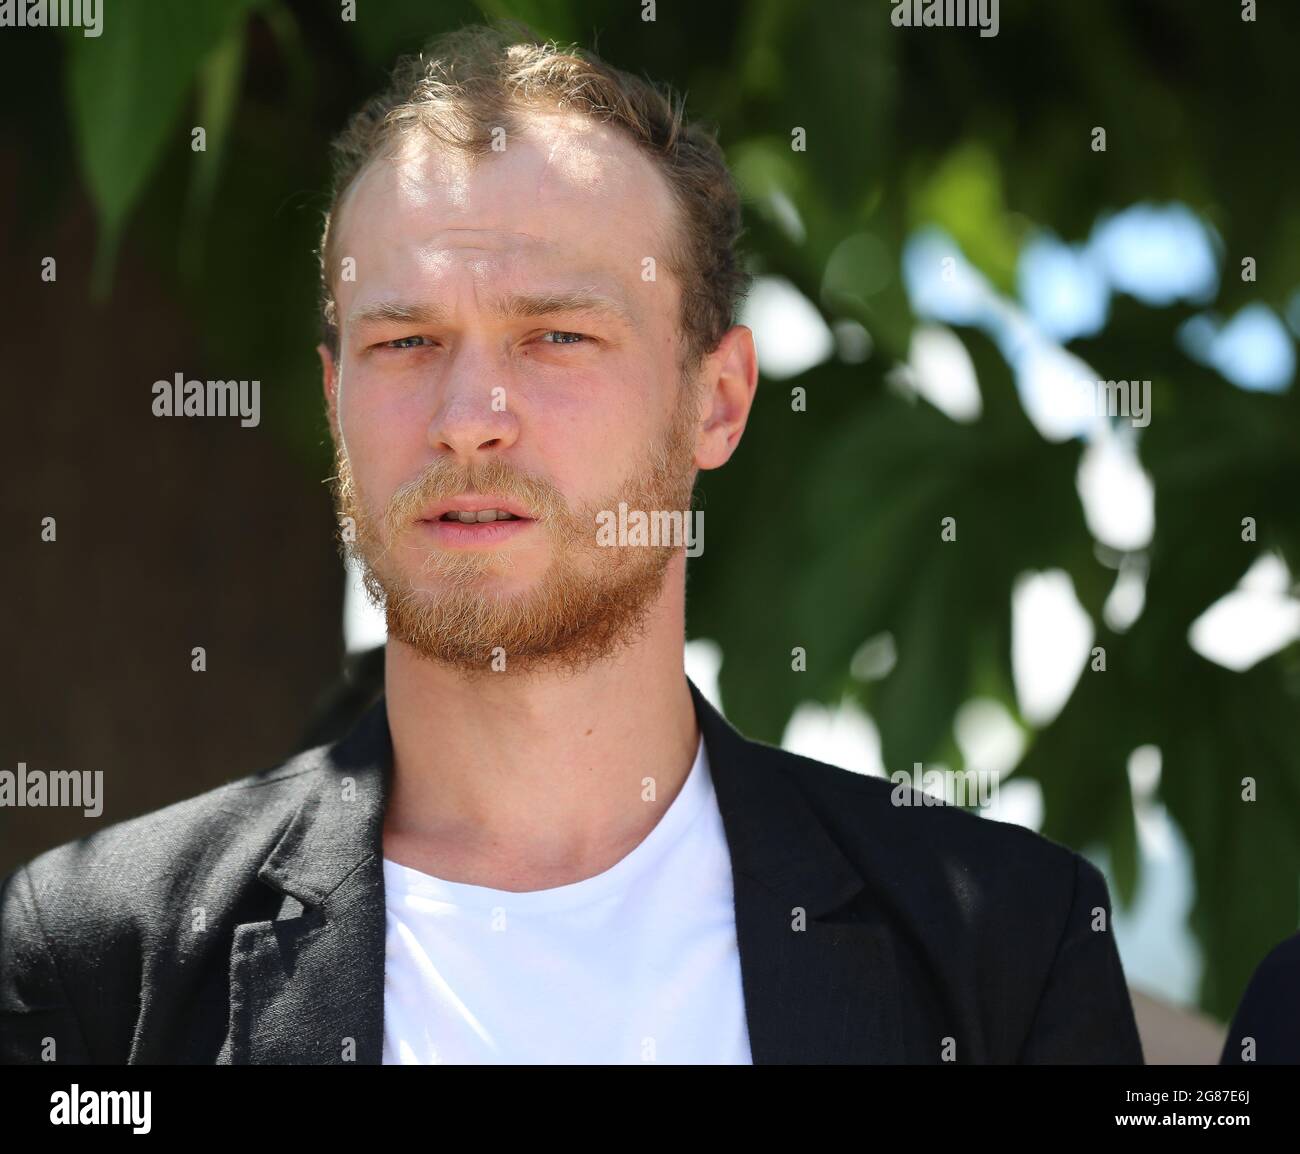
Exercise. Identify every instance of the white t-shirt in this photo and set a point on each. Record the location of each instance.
(637, 964)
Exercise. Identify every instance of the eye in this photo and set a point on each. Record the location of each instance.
(569, 338)
(402, 343)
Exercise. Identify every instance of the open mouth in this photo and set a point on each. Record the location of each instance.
(476, 521)
(479, 516)
(475, 528)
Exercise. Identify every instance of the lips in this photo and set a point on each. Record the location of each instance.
(446, 533)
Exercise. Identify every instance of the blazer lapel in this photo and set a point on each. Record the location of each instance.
(308, 985)
(819, 988)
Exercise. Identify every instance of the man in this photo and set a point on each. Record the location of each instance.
(542, 844)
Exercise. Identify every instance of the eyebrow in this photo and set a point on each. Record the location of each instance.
(515, 306)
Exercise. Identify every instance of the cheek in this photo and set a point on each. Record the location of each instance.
(385, 444)
(586, 439)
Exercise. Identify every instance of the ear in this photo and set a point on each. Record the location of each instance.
(730, 378)
(329, 382)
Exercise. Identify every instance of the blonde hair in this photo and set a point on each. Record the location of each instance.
(474, 80)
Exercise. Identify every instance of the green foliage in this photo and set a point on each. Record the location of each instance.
(127, 87)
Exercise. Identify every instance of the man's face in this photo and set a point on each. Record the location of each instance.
(503, 345)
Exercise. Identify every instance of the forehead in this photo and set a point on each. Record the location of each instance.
(566, 196)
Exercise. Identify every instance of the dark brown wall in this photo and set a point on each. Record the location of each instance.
(172, 533)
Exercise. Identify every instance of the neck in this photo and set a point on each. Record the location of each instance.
(526, 782)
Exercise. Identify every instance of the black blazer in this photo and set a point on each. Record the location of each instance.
(247, 924)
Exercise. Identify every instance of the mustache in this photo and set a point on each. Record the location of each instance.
(444, 479)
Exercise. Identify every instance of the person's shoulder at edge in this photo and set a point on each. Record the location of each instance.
(1269, 1013)
(984, 894)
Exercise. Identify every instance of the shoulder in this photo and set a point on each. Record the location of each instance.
(1274, 988)
(1269, 1013)
(117, 874)
(915, 824)
(1014, 930)
(920, 848)
(1281, 965)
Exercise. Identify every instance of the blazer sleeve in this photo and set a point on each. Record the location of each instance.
(37, 1021)
(1085, 1015)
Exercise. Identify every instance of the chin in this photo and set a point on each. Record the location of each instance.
(494, 577)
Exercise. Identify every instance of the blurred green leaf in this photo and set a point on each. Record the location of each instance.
(219, 77)
(126, 89)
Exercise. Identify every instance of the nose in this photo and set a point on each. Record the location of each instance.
(472, 418)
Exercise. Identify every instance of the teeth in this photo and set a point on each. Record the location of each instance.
(471, 517)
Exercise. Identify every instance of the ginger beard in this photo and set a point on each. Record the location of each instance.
(591, 600)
